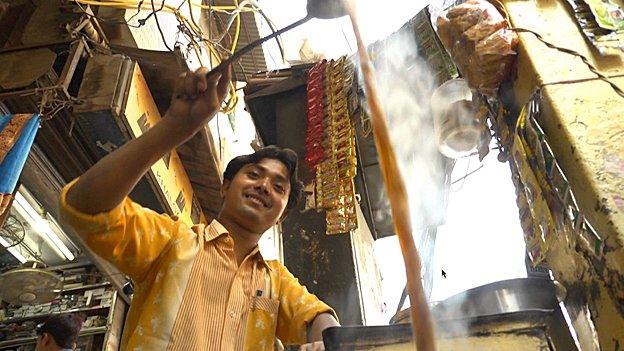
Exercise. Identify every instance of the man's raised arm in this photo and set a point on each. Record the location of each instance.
(111, 179)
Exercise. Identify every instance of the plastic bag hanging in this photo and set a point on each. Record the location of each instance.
(480, 42)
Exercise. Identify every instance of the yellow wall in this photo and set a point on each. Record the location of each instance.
(584, 124)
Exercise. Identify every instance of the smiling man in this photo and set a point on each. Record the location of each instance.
(206, 287)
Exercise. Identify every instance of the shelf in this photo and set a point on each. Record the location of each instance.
(43, 316)
(32, 339)
(85, 287)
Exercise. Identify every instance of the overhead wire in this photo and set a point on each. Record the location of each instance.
(104, 20)
(461, 178)
(138, 11)
(253, 56)
(249, 6)
(134, 4)
(191, 29)
(273, 28)
(618, 90)
(235, 16)
(154, 12)
(15, 238)
(238, 27)
(466, 175)
(131, 4)
(585, 60)
(191, 13)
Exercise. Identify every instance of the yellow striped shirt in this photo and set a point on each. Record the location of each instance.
(190, 294)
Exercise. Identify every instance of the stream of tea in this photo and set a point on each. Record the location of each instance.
(422, 324)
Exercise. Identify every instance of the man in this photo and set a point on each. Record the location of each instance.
(59, 333)
(201, 288)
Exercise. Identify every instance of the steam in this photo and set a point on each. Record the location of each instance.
(405, 87)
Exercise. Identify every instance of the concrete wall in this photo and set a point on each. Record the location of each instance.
(584, 123)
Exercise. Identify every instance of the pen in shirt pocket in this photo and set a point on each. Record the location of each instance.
(267, 288)
(267, 292)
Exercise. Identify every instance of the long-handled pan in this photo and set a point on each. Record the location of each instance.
(323, 9)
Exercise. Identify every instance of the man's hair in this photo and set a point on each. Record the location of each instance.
(287, 156)
(63, 328)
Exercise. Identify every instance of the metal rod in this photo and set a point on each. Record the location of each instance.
(235, 56)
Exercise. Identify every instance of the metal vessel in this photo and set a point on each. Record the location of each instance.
(516, 314)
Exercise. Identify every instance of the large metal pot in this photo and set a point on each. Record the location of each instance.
(505, 296)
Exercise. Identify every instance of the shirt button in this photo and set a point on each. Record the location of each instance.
(232, 314)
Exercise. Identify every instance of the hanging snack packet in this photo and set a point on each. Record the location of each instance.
(608, 14)
(480, 42)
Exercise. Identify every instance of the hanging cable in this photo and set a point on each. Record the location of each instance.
(499, 5)
(103, 20)
(467, 175)
(191, 29)
(162, 35)
(137, 12)
(238, 27)
(585, 60)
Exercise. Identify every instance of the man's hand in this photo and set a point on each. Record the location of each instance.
(315, 332)
(197, 99)
(314, 346)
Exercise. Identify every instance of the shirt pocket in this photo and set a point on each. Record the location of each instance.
(261, 324)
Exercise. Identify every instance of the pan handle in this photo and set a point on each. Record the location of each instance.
(247, 48)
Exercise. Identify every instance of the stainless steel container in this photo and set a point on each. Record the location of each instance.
(516, 314)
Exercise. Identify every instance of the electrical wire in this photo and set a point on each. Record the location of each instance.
(463, 177)
(226, 33)
(585, 60)
(138, 11)
(144, 20)
(238, 27)
(234, 16)
(128, 4)
(19, 244)
(133, 4)
(209, 21)
(273, 29)
(466, 175)
(344, 35)
(15, 238)
(237, 12)
(219, 136)
(253, 56)
(190, 28)
(182, 4)
(104, 20)
(249, 6)
(154, 12)
(191, 13)
(477, 152)
(501, 8)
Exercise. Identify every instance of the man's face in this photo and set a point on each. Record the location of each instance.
(257, 196)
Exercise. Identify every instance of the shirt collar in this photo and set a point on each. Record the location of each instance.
(215, 230)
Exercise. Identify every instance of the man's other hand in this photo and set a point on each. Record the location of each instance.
(313, 346)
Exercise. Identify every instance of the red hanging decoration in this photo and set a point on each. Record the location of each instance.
(316, 111)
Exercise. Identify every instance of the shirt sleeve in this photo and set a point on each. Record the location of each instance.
(297, 309)
(129, 236)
